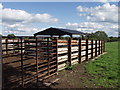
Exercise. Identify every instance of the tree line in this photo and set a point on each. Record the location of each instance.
(101, 35)
(98, 35)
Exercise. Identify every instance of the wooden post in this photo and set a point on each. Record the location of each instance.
(1, 66)
(0, 49)
(95, 48)
(6, 46)
(99, 48)
(79, 56)
(18, 46)
(48, 55)
(37, 59)
(69, 51)
(57, 52)
(104, 46)
(86, 49)
(13, 47)
(91, 49)
(22, 76)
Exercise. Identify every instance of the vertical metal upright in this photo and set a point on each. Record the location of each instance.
(22, 72)
(37, 60)
(104, 46)
(57, 53)
(6, 46)
(1, 66)
(86, 49)
(99, 48)
(95, 48)
(79, 56)
(48, 54)
(69, 51)
(91, 49)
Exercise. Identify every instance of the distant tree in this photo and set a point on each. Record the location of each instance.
(98, 35)
(11, 36)
(0, 35)
(111, 39)
(85, 37)
(101, 35)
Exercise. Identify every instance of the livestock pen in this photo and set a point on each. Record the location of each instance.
(28, 61)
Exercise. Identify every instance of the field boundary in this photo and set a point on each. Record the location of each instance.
(99, 56)
(44, 57)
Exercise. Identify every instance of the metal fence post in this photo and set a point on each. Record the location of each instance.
(86, 49)
(104, 46)
(91, 49)
(22, 77)
(95, 48)
(69, 51)
(57, 52)
(6, 46)
(48, 55)
(79, 56)
(1, 66)
(37, 59)
(18, 46)
(99, 48)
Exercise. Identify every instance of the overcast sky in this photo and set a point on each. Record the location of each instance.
(25, 18)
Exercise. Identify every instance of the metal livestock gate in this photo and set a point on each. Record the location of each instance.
(29, 61)
(34, 60)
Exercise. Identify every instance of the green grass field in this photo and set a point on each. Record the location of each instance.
(104, 70)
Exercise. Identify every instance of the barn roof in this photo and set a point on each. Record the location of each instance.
(59, 31)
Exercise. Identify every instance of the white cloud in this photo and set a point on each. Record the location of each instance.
(1, 6)
(20, 16)
(104, 1)
(89, 25)
(104, 17)
(109, 28)
(19, 29)
(104, 13)
(19, 22)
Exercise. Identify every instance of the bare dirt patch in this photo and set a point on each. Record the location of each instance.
(76, 78)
